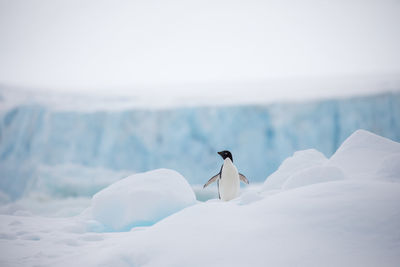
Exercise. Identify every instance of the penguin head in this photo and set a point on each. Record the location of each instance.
(225, 154)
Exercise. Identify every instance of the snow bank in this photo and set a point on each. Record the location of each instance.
(389, 169)
(346, 223)
(314, 175)
(291, 167)
(142, 199)
(365, 155)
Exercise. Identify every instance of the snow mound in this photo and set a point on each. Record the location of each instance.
(348, 223)
(389, 170)
(365, 155)
(314, 175)
(292, 166)
(142, 199)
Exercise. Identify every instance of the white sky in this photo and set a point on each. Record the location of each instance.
(90, 45)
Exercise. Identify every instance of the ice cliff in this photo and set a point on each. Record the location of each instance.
(37, 141)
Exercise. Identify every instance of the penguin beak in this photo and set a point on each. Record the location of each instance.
(220, 153)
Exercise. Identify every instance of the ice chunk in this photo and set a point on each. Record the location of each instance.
(363, 154)
(142, 199)
(300, 161)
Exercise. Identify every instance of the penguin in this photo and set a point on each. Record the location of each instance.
(228, 179)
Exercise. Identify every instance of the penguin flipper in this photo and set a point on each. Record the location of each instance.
(243, 178)
(212, 180)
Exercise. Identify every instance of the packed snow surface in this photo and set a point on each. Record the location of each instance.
(315, 212)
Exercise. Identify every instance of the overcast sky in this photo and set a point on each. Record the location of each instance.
(86, 45)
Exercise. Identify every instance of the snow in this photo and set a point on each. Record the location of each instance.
(317, 212)
(303, 168)
(301, 160)
(313, 175)
(389, 168)
(363, 154)
(45, 205)
(142, 199)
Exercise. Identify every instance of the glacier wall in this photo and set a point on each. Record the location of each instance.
(35, 137)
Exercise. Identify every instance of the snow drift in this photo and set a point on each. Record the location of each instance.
(300, 161)
(142, 199)
(363, 155)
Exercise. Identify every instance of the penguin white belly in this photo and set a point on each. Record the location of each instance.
(229, 183)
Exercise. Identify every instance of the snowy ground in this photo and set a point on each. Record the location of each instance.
(313, 211)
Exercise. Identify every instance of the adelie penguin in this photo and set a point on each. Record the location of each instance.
(228, 178)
